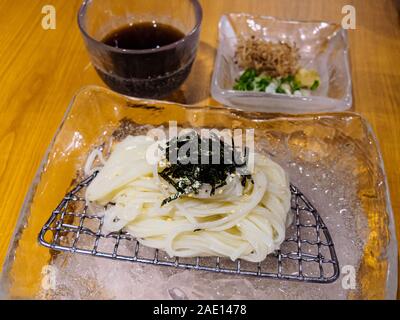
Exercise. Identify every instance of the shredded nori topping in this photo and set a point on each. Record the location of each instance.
(194, 161)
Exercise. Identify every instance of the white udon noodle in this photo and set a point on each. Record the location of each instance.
(240, 223)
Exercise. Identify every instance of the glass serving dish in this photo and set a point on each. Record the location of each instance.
(323, 47)
(333, 159)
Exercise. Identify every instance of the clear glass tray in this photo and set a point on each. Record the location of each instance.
(323, 47)
(333, 159)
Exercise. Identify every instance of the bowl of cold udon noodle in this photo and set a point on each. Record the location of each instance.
(228, 220)
(196, 205)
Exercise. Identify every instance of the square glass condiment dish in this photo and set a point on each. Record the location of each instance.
(322, 46)
(334, 159)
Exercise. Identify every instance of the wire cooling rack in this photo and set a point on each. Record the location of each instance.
(307, 255)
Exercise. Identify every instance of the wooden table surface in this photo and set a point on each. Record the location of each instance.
(41, 70)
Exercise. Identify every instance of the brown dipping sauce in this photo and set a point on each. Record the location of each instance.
(151, 74)
(145, 35)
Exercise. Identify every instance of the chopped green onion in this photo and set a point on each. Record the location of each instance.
(315, 85)
(280, 90)
(251, 81)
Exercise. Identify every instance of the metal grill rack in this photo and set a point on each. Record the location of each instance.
(307, 255)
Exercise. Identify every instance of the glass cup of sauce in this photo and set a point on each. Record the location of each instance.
(141, 48)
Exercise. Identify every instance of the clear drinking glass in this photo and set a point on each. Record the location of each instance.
(149, 73)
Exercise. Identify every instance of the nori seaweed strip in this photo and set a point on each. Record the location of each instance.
(187, 178)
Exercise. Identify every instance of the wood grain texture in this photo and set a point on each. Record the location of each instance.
(41, 70)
